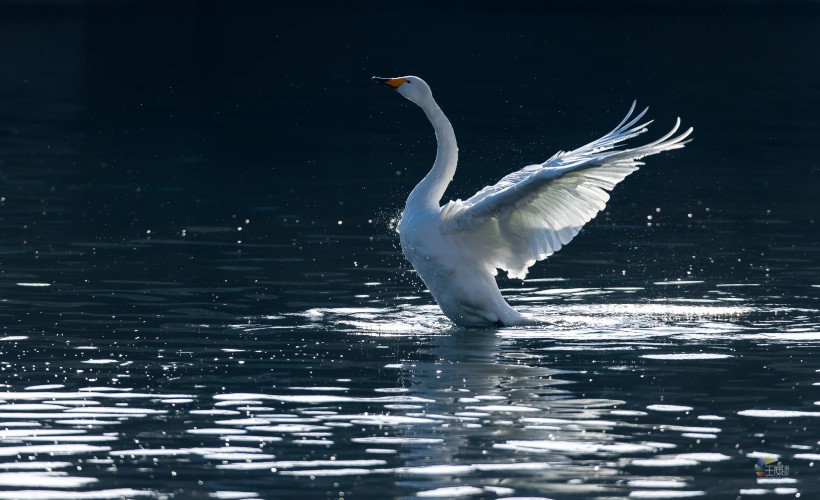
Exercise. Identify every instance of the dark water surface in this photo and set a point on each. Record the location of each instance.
(201, 295)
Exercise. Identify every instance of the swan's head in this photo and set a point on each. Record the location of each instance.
(411, 87)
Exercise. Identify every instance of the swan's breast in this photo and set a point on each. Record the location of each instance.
(431, 254)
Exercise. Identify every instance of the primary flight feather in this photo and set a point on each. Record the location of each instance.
(527, 216)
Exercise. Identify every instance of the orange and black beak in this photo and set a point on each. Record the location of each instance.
(391, 82)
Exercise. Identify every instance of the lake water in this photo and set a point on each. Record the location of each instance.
(201, 295)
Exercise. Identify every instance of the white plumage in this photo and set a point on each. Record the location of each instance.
(525, 217)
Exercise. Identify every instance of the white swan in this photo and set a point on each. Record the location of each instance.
(527, 216)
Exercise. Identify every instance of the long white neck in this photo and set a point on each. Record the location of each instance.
(427, 194)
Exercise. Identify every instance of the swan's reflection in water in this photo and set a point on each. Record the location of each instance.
(574, 408)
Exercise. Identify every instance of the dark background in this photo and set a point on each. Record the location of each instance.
(275, 101)
(124, 121)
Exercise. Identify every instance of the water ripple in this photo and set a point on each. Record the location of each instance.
(392, 393)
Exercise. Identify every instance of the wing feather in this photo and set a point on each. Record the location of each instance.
(530, 214)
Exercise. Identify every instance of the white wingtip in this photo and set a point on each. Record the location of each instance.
(628, 114)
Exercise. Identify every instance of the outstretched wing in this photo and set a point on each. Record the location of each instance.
(530, 214)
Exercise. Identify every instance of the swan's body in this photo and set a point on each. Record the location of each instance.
(527, 216)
